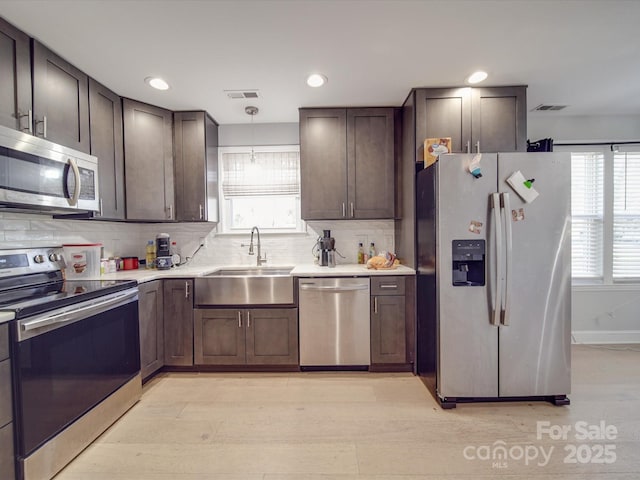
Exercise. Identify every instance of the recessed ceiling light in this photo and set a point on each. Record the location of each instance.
(157, 83)
(477, 77)
(316, 80)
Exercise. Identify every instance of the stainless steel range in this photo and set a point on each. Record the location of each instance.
(74, 354)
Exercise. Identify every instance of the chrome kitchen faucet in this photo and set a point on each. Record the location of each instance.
(260, 260)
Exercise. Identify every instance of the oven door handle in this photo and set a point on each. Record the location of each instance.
(65, 316)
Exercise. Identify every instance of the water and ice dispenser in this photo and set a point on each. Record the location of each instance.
(468, 263)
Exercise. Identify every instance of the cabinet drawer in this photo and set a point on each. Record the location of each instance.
(6, 414)
(387, 286)
(4, 341)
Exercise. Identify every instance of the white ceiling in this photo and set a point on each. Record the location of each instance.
(585, 54)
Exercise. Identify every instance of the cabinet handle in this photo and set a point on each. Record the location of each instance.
(375, 304)
(186, 289)
(239, 319)
(100, 208)
(468, 146)
(353, 214)
(44, 126)
(478, 146)
(344, 210)
(201, 211)
(29, 115)
(248, 319)
(170, 212)
(389, 285)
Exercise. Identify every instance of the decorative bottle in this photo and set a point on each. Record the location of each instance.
(372, 250)
(151, 254)
(360, 254)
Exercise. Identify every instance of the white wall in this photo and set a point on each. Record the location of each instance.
(577, 129)
(600, 313)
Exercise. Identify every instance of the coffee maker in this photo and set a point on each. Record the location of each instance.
(327, 249)
(163, 251)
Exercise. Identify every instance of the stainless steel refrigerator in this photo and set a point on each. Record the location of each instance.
(494, 276)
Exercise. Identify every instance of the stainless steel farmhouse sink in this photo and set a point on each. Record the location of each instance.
(253, 272)
(245, 286)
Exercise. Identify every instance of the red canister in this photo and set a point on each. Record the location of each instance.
(130, 263)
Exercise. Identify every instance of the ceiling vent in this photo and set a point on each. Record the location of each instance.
(543, 108)
(240, 94)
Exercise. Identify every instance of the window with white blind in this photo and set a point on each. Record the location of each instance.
(605, 213)
(260, 186)
(587, 214)
(626, 216)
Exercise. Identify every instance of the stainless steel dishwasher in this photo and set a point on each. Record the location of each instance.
(334, 322)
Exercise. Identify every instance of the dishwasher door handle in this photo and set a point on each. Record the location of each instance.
(350, 288)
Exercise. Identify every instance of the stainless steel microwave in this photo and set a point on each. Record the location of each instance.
(36, 173)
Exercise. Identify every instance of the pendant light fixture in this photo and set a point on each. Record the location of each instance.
(253, 111)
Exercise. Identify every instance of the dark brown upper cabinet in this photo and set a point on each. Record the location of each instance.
(148, 153)
(479, 119)
(196, 167)
(105, 119)
(15, 78)
(347, 158)
(60, 100)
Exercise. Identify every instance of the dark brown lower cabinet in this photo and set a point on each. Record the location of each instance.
(255, 336)
(388, 339)
(178, 322)
(392, 321)
(7, 465)
(6, 408)
(151, 319)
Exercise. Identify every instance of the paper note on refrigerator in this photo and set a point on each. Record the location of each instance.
(522, 187)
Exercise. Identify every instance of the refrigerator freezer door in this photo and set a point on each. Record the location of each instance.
(535, 344)
(467, 340)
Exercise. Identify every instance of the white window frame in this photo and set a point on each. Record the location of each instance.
(608, 211)
(224, 226)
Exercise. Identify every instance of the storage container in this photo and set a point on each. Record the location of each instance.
(82, 259)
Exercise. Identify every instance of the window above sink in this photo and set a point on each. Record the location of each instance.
(260, 186)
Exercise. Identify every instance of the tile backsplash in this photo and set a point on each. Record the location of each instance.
(129, 239)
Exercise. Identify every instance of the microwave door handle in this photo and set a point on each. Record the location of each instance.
(73, 201)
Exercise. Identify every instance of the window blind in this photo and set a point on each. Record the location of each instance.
(626, 215)
(268, 173)
(587, 214)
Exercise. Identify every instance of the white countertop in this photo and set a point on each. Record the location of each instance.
(6, 317)
(305, 270)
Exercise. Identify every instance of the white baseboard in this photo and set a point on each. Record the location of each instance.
(605, 336)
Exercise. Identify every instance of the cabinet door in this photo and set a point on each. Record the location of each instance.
(323, 163)
(105, 120)
(370, 162)
(443, 112)
(178, 322)
(15, 78)
(272, 336)
(60, 100)
(388, 338)
(148, 153)
(7, 460)
(195, 136)
(6, 402)
(499, 119)
(219, 337)
(151, 315)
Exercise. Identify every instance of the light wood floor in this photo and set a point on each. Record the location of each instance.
(362, 426)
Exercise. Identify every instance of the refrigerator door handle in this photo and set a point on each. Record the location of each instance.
(497, 283)
(505, 205)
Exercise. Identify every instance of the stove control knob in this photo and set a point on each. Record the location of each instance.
(39, 258)
(54, 257)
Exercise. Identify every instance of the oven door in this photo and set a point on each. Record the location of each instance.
(69, 360)
(36, 172)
